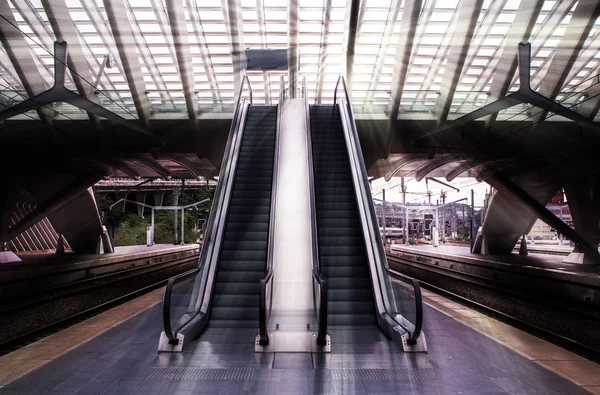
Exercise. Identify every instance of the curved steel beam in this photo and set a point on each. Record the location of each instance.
(458, 170)
(152, 165)
(182, 163)
(400, 164)
(433, 164)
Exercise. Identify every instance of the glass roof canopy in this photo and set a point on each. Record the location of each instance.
(322, 36)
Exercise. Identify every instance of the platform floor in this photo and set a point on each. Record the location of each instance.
(535, 260)
(124, 360)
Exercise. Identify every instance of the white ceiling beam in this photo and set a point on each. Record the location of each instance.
(352, 31)
(438, 60)
(204, 52)
(148, 60)
(116, 10)
(404, 50)
(81, 75)
(385, 44)
(184, 56)
(519, 31)
(260, 16)
(323, 51)
(233, 22)
(459, 47)
(583, 19)
(20, 56)
(293, 18)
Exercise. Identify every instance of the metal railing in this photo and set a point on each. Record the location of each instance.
(320, 286)
(265, 298)
(397, 297)
(191, 313)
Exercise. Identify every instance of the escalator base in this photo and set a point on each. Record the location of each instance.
(292, 342)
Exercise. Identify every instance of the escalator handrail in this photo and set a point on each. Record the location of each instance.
(264, 311)
(167, 301)
(374, 234)
(418, 300)
(215, 224)
(316, 269)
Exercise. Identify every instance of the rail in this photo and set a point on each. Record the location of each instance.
(192, 308)
(265, 298)
(320, 286)
(398, 298)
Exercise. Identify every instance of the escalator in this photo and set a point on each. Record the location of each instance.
(223, 291)
(363, 293)
(243, 256)
(342, 253)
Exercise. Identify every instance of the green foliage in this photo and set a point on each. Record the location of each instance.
(130, 229)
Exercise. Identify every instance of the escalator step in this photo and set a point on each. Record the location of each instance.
(350, 295)
(236, 323)
(228, 300)
(238, 289)
(244, 245)
(234, 313)
(351, 319)
(344, 271)
(350, 307)
(349, 283)
(232, 266)
(240, 276)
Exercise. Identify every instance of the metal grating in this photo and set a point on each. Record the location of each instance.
(382, 374)
(201, 374)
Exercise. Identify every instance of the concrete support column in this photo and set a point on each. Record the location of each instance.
(141, 198)
(158, 198)
(583, 196)
(175, 202)
(121, 195)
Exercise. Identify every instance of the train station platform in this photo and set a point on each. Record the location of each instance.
(540, 261)
(37, 272)
(469, 353)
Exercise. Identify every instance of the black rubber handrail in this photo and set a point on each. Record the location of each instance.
(214, 224)
(316, 269)
(167, 302)
(418, 302)
(264, 311)
(371, 222)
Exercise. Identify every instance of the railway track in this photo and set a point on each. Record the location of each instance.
(572, 327)
(64, 306)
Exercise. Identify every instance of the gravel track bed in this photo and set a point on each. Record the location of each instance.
(38, 316)
(584, 330)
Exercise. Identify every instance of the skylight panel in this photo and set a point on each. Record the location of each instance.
(275, 15)
(144, 15)
(446, 4)
(508, 18)
(150, 28)
(432, 40)
(441, 16)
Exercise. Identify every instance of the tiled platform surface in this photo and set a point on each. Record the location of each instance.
(123, 360)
